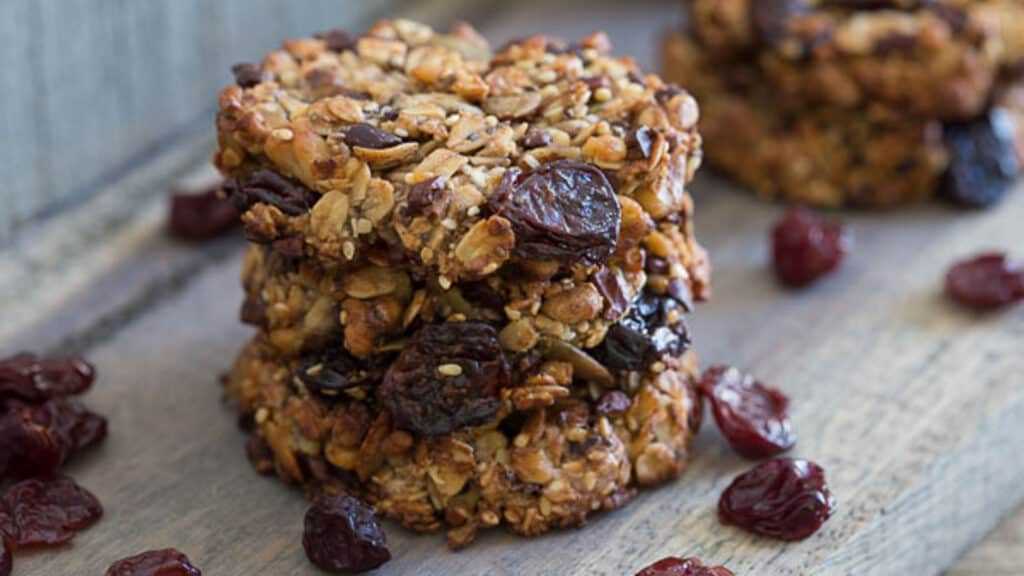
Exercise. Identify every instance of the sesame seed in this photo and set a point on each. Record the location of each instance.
(473, 210)
(444, 282)
(450, 369)
(283, 134)
(349, 249)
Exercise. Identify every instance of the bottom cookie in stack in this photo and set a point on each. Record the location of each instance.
(449, 433)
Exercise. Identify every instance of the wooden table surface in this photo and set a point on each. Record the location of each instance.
(914, 407)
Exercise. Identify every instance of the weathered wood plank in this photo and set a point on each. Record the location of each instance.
(1001, 553)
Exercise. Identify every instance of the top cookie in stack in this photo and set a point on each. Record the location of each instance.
(452, 247)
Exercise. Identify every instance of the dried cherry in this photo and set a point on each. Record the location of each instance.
(369, 136)
(259, 453)
(448, 376)
(564, 210)
(26, 447)
(6, 558)
(287, 195)
(612, 402)
(46, 511)
(37, 439)
(166, 562)
(338, 40)
(653, 328)
(247, 74)
(336, 370)
(201, 215)
(986, 281)
(983, 164)
(782, 498)
(423, 195)
(342, 534)
(770, 18)
(753, 417)
(674, 566)
(31, 378)
(805, 247)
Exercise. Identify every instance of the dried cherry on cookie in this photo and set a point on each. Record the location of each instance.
(448, 376)
(289, 196)
(783, 498)
(753, 417)
(564, 210)
(653, 328)
(342, 534)
(983, 164)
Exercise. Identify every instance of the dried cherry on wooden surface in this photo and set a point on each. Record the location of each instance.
(6, 559)
(448, 376)
(782, 498)
(46, 511)
(166, 562)
(564, 210)
(37, 439)
(986, 281)
(673, 566)
(31, 378)
(805, 247)
(26, 447)
(341, 534)
(753, 417)
(201, 215)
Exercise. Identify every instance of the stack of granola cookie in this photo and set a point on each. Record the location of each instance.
(469, 273)
(861, 102)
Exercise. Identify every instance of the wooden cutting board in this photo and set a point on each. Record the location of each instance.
(914, 407)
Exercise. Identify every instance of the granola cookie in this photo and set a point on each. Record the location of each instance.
(546, 454)
(929, 58)
(872, 155)
(424, 151)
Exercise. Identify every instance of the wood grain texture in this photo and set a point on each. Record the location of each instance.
(1001, 553)
(914, 407)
